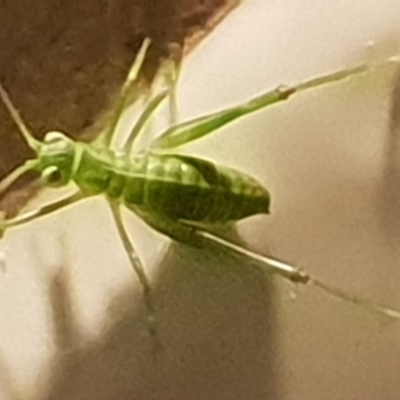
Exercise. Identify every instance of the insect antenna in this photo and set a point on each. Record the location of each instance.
(26, 133)
(23, 128)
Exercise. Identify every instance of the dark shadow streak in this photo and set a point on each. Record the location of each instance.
(216, 323)
(388, 192)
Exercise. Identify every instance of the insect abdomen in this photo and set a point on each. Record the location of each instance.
(189, 188)
(180, 187)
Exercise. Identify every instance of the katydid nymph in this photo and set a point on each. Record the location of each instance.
(182, 197)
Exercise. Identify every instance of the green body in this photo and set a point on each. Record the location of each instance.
(179, 196)
(175, 186)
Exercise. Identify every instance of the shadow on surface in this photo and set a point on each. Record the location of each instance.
(215, 323)
(388, 191)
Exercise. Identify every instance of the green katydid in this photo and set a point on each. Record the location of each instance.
(180, 196)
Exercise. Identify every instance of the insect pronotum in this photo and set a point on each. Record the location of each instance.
(180, 196)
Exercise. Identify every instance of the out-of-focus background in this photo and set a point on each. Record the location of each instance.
(72, 323)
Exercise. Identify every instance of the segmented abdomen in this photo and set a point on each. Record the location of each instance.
(180, 187)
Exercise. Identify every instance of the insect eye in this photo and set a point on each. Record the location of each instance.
(52, 176)
(54, 137)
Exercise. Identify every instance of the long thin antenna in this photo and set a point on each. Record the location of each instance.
(26, 133)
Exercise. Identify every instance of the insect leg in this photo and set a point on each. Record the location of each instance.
(132, 77)
(40, 212)
(171, 76)
(173, 229)
(195, 237)
(296, 275)
(144, 117)
(192, 130)
(136, 264)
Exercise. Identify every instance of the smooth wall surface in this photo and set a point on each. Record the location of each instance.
(72, 322)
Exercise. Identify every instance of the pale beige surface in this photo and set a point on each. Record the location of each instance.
(330, 160)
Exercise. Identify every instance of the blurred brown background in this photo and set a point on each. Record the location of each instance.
(63, 62)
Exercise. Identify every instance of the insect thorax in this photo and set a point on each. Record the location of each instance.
(179, 187)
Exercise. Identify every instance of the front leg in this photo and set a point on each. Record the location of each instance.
(37, 213)
(137, 267)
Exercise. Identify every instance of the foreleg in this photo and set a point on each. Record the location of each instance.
(136, 265)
